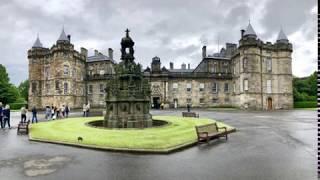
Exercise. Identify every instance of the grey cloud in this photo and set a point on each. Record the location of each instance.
(154, 26)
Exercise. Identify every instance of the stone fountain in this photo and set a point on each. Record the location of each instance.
(128, 92)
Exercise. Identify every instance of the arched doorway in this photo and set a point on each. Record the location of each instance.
(269, 103)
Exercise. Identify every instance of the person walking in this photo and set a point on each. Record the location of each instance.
(34, 114)
(63, 111)
(87, 109)
(6, 116)
(84, 109)
(57, 110)
(48, 113)
(67, 110)
(52, 111)
(23, 114)
(1, 115)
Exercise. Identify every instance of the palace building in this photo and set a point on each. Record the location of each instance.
(249, 75)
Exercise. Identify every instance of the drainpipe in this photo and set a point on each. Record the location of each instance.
(261, 76)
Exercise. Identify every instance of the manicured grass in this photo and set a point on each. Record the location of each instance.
(178, 133)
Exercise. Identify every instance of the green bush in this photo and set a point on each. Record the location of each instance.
(14, 106)
(305, 104)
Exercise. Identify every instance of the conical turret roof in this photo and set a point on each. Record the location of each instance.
(282, 35)
(63, 36)
(37, 43)
(249, 31)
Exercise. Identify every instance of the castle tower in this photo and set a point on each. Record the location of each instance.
(36, 57)
(156, 64)
(264, 77)
(65, 85)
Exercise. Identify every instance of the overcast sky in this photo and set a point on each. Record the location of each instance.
(174, 30)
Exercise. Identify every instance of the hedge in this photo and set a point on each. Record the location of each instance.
(305, 104)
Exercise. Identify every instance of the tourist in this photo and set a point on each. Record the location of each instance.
(34, 114)
(6, 116)
(52, 111)
(87, 109)
(188, 107)
(63, 110)
(48, 113)
(67, 110)
(1, 115)
(84, 109)
(24, 112)
(57, 112)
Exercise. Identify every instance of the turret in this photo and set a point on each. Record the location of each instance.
(63, 37)
(250, 33)
(156, 64)
(282, 38)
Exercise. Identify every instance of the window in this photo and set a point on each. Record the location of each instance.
(65, 88)
(215, 87)
(225, 67)
(34, 87)
(188, 100)
(234, 87)
(101, 72)
(65, 69)
(47, 88)
(269, 64)
(57, 85)
(175, 86)
(201, 88)
(101, 88)
(215, 67)
(245, 85)
(269, 86)
(90, 89)
(189, 87)
(201, 100)
(226, 87)
(215, 100)
(245, 64)
(46, 72)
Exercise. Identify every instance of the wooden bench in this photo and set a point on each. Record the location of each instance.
(23, 127)
(190, 114)
(210, 131)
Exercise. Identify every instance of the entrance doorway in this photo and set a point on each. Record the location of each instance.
(269, 103)
(156, 102)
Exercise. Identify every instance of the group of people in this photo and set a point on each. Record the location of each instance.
(24, 112)
(4, 116)
(55, 112)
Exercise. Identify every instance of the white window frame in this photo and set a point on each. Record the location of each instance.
(65, 69)
(215, 87)
(175, 86)
(189, 87)
(201, 87)
(269, 64)
(269, 86)
(245, 85)
(226, 89)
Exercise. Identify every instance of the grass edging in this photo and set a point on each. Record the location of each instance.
(161, 149)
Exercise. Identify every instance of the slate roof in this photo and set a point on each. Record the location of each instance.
(63, 36)
(99, 57)
(282, 36)
(249, 31)
(37, 43)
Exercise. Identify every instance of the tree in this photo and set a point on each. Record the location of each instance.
(305, 89)
(24, 89)
(8, 92)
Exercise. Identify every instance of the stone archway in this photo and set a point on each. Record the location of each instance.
(269, 103)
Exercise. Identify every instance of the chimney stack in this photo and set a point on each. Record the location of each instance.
(242, 32)
(204, 52)
(110, 53)
(69, 37)
(183, 66)
(189, 66)
(171, 65)
(96, 52)
(84, 51)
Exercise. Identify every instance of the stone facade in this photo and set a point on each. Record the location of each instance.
(250, 75)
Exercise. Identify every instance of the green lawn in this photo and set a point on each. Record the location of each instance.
(178, 133)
